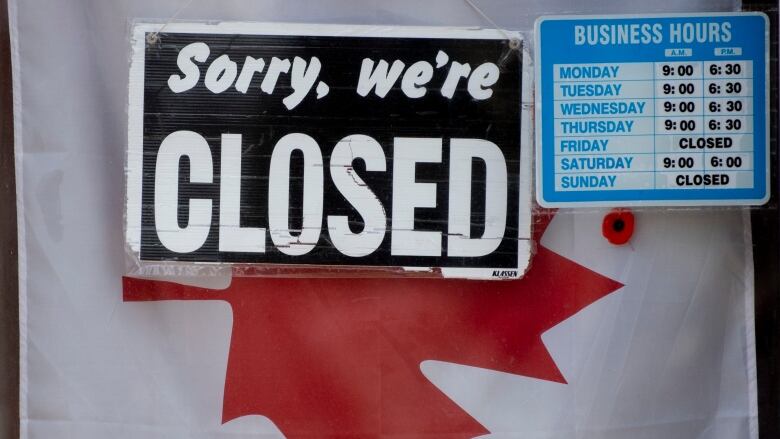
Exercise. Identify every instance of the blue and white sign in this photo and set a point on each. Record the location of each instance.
(652, 110)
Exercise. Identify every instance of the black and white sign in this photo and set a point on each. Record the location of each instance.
(330, 146)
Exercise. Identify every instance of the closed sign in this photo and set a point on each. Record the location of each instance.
(329, 146)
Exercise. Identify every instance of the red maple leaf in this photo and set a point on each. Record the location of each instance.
(341, 357)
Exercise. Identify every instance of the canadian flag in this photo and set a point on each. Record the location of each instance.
(652, 339)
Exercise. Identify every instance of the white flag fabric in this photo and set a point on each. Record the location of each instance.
(654, 339)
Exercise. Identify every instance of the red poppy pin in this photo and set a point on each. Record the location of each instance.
(618, 226)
